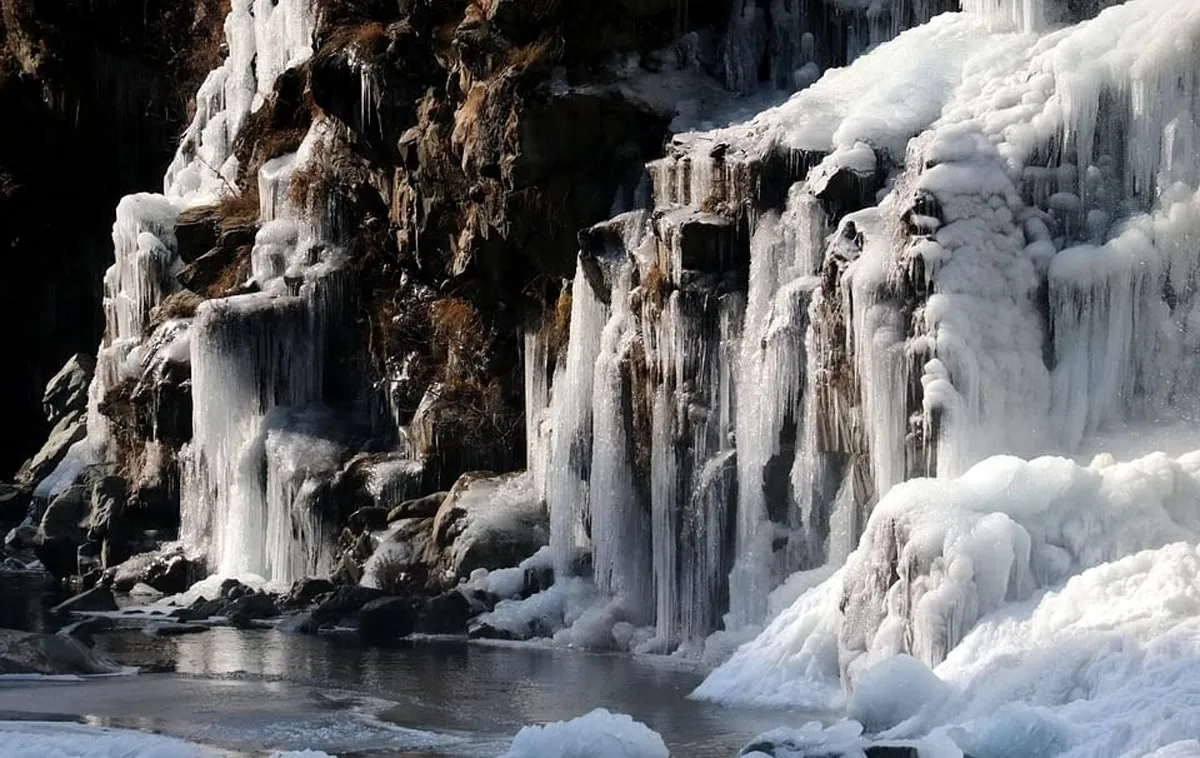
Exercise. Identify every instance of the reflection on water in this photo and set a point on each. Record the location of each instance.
(25, 600)
(254, 690)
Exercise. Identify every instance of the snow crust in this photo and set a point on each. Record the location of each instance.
(599, 734)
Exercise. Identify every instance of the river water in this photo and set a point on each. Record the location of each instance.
(250, 692)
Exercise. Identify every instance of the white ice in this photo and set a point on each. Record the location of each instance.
(599, 734)
(38, 739)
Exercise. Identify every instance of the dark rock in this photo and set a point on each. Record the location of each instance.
(206, 270)
(49, 654)
(258, 605)
(167, 629)
(95, 599)
(108, 498)
(370, 519)
(447, 613)
(196, 232)
(489, 632)
(305, 591)
(14, 503)
(201, 609)
(421, 507)
(86, 630)
(385, 620)
(21, 538)
(892, 751)
(345, 601)
(168, 570)
(67, 391)
(232, 589)
(70, 429)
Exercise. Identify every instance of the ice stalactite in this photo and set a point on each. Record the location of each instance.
(618, 502)
(568, 475)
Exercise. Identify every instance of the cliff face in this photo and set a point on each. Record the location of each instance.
(94, 95)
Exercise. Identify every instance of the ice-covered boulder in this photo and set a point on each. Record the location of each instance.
(487, 522)
(599, 734)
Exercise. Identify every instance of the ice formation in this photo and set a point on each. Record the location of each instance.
(598, 734)
(250, 498)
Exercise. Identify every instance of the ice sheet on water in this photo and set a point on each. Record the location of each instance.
(37, 739)
(599, 734)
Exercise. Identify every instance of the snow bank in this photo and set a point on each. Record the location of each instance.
(598, 734)
(37, 739)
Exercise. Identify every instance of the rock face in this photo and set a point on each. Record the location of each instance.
(65, 406)
(48, 654)
(100, 89)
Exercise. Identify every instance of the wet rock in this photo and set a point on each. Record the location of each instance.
(488, 632)
(95, 599)
(49, 654)
(168, 629)
(305, 591)
(385, 620)
(422, 507)
(447, 613)
(14, 503)
(231, 589)
(258, 605)
(21, 538)
(86, 630)
(345, 601)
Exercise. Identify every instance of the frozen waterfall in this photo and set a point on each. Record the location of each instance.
(978, 238)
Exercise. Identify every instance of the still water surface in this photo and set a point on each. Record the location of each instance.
(254, 691)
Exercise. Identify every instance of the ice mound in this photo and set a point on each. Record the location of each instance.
(38, 739)
(598, 734)
(1026, 608)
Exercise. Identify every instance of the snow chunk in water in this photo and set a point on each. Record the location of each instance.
(599, 734)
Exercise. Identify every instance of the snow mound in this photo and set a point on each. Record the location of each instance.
(38, 739)
(599, 734)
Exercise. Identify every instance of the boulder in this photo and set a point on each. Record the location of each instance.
(67, 391)
(49, 654)
(385, 620)
(487, 521)
(70, 429)
(61, 532)
(345, 601)
(95, 599)
(448, 613)
(305, 591)
(168, 570)
(14, 503)
(421, 507)
(258, 605)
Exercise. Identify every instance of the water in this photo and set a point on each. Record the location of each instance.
(254, 691)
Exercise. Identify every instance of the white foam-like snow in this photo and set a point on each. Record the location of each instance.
(599, 734)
